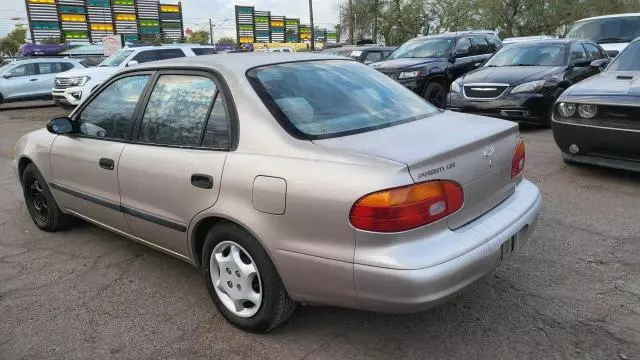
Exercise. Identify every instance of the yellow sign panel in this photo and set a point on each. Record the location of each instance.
(73, 17)
(126, 17)
(169, 8)
(42, 1)
(246, 40)
(101, 27)
(277, 23)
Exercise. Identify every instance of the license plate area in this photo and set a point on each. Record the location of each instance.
(508, 247)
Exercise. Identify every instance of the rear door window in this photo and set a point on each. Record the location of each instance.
(177, 110)
(203, 51)
(160, 54)
(50, 68)
(322, 99)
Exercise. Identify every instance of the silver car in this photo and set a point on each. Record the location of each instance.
(32, 79)
(287, 178)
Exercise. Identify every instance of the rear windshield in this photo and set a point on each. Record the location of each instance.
(322, 99)
(628, 59)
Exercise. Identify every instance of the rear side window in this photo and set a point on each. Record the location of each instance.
(51, 68)
(479, 46)
(177, 110)
(322, 99)
(160, 54)
(203, 51)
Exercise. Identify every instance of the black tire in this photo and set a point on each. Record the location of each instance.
(556, 95)
(42, 207)
(436, 94)
(276, 306)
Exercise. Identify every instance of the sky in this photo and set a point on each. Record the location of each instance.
(196, 13)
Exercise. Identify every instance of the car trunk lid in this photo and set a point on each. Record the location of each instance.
(476, 152)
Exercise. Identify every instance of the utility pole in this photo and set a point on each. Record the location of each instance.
(350, 14)
(210, 32)
(313, 30)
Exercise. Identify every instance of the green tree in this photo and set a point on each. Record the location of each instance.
(226, 40)
(10, 44)
(199, 37)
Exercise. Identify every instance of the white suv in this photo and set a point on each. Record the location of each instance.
(72, 87)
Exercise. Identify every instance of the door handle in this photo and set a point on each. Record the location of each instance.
(33, 79)
(107, 164)
(202, 181)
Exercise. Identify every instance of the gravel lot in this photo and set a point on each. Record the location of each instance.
(572, 293)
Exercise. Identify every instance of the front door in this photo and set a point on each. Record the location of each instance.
(464, 58)
(20, 82)
(172, 170)
(84, 164)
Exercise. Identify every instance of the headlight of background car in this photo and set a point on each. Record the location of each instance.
(587, 111)
(533, 86)
(566, 109)
(78, 81)
(455, 86)
(408, 75)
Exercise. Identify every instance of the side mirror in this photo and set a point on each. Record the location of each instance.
(612, 53)
(132, 62)
(581, 63)
(62, 125)
(598, 63)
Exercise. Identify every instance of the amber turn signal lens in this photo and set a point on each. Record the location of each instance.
(407, 207)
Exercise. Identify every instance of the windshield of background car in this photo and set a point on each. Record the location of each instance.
(628, 59)
(323, 99)
(116, 59)
(608, 30)
(530, 55)
(424, 48)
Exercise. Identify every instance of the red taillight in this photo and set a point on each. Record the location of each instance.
(407, 207)
(517, 163)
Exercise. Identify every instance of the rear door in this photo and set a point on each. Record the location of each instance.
(172, 169)
(47, 72)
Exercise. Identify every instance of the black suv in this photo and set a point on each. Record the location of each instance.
(428, 65)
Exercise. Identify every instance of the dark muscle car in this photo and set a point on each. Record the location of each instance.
(597, 121)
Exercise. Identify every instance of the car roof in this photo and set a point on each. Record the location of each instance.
(362, 47)
(165, 46)
(236, 62)
(609, 16)
(548, 41)
(46, 59)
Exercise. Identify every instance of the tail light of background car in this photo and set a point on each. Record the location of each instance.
(517, 163)
(408, 207)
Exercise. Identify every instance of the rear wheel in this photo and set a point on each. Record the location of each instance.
(42, 207)
(242, 281)
(436, 94)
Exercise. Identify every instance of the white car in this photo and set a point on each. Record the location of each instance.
(72, 87)
(612, 32)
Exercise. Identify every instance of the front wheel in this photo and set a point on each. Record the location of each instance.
(42, 207)
(242, 281)
(436, 94)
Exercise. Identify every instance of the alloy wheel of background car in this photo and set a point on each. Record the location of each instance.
(40, 202)
(229, 246)
(436, 95)
(236, 279)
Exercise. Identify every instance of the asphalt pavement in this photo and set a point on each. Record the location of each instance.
(572, 293)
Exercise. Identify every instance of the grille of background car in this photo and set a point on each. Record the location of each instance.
(61, 83)
(484, 91)
(626, 113)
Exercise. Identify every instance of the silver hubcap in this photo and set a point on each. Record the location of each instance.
(236, 279)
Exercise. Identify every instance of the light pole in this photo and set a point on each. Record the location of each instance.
(313, 30)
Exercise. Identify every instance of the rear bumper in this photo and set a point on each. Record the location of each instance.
(400, 290)
(598, 143)
(525, 107)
